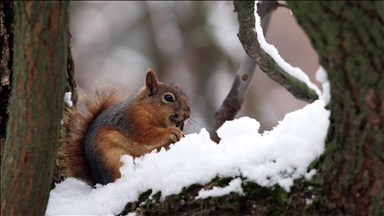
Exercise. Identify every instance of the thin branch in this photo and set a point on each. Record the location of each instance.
(235, 98)
(248, 38)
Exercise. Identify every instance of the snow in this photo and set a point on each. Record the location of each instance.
(272, 51)
(67, 99)
(309, 175)
(234, 186)
(308, 201)
(322, 77)
(275, 157)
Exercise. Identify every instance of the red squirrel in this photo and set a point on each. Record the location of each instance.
(110, 127)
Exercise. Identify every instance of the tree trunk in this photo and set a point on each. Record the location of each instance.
(36, 105)
(348, 37)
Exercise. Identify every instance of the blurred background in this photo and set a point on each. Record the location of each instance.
(190, 43)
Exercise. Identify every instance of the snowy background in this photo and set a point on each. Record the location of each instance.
(272, 157)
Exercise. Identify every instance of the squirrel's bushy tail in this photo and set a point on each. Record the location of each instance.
(71, 159)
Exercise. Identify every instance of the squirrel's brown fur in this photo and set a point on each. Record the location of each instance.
(112, 126)
(71, 155)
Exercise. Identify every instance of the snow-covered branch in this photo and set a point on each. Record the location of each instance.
(253, 47)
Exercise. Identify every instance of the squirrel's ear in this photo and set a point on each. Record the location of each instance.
(150, 82)
(177, 85)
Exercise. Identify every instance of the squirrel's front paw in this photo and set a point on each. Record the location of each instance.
(175, 134)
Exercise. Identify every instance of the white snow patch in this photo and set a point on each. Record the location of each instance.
(309, 175)
(272, 51)
(275, 157)
(322, 77)
(234, 186)
(67, 99)
(308, 201)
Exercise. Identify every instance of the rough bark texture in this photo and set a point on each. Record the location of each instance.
(36, 105)
(71, 83)
(6, 49)
(349, 37)
(70, 87)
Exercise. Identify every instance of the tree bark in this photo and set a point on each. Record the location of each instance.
(348, 37)
(65, 128)
(36, 105)
(6, 44)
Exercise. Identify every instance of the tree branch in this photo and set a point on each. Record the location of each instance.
(235, 98)
(248, 38)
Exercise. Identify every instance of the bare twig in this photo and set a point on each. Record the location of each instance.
(248, 38)
(235, 98)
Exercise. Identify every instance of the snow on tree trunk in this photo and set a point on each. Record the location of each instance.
(36, 105)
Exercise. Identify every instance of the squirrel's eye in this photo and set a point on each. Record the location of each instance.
(168, 98)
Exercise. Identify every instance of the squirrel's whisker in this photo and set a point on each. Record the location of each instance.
(191, 124)
(193, 120)
(198, 116)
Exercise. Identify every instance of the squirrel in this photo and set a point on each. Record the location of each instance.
(111, 126)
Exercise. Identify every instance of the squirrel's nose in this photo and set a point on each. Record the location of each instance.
(181, 116)
(176, 117)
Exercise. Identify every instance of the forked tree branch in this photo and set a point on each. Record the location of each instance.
(248, 38)
(235, 98)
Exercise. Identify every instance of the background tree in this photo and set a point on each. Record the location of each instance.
(39, 64)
